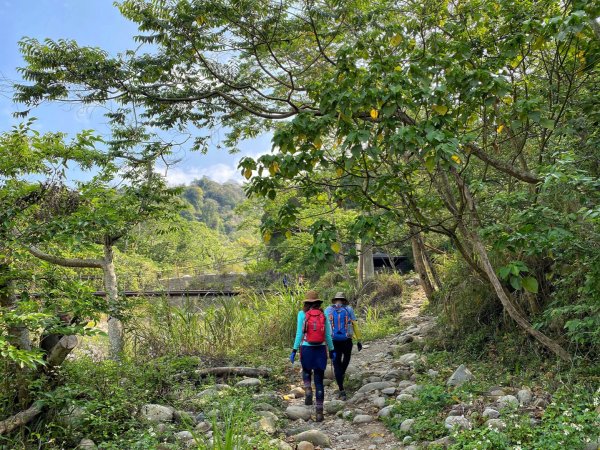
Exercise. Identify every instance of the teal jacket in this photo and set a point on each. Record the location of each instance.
(300, 333)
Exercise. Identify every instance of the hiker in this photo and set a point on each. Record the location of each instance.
(313, 338)
(344, 328)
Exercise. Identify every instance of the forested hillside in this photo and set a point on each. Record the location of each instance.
(459, 137)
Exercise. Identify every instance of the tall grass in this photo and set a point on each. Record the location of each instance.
(245, 324)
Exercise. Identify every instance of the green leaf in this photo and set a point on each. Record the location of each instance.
(515, 282)
(530, 284)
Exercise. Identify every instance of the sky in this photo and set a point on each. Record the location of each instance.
(95, 23)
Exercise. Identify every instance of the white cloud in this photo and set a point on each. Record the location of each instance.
(218, 172)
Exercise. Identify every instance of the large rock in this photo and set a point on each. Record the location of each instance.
(333, 406)
(265, 407)
(524, 396)
(404, 384)
(460, 422)
(376, 386)
(248, 382)
(362, 418)
(157, 413)
(268, 424)
(490, 413)
(305, 445)
(297, 392)
(460, 376)
(411, 390)
(408, 359)
(184, 436)
(279, 445)
(405, 398)
(87, 444)
(315, 437)
(406, 425)
(496, 424)
(298, 412)
(385, 412)
(388, 391)
(71, 416)
(508, 401)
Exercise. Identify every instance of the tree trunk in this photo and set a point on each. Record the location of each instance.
(115, 326)
(61, 350)
(368, 266)
(360, 266)
(420, 266)
(19, 419)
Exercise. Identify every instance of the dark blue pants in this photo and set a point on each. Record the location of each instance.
(343, 352)
(314, 361)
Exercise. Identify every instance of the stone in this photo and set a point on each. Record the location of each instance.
(379, 402)
(207, 392)
(432, 373)
(592, 445)
(268, 397)
(460, 422)
(268, 414)
(248, 382)
(315, 437)
(445, 441)
(490, 413)
(398, 374)
(406, 425)
(71, 416)
(460, 376)
(265, 407)
(184, 436)
(298, 412)
(412, 389)
(411, 447)
(405, 398)
(157, 413)
(388, 391)
(404, 384)
(524, 396)
(497, 393)
(183, 417)
(297, 392)
(87, 444)
(508, 401)
(329, 372)
(349, 437)
(362, 418)
(496, 424)
(543, 403)
(406, 339)
(357, 398)
(333, 406)
(376, 386)
(374, 379)
(279, 445)
(408, 359)
(305, 445)
(407, 440)
(385, 412)
(268, 424)
(203, 427)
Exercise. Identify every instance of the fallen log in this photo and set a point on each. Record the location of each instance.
(240, 371)
(20, 419)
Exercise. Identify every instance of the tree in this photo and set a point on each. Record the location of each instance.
(437, 107)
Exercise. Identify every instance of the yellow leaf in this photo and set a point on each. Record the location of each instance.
(288, 397)
(339, 171)
(374, 114)
(500, 128)
(318, 143)
(508, 100)
(288, 234)
(267, 236)
(395, 40)
(538, 43)
(247, 173)
(273, 168)
(398, 69)
(515, 62)
(440, 109)
(456, 159)
(322, 197)
(336, 247)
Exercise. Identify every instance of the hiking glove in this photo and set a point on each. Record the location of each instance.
(293, 356)
(332, 355)
(359, 346)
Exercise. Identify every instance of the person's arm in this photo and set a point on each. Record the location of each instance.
(299, 330)
(356, 331)
(328, 334)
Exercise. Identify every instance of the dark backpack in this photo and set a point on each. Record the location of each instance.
(340, 319)
(314, 326)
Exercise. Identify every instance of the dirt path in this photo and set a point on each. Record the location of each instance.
(374, 364)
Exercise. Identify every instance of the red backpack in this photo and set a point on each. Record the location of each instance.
(314, 326)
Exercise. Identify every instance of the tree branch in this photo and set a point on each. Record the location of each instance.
(65, 262)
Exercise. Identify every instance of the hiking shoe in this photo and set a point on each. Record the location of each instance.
(320, 416)
(343, 396)
(308, 399)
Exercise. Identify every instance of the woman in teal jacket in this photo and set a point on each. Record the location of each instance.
(313, 356)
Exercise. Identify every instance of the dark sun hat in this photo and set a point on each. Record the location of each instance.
(340, 296)
(312, 297)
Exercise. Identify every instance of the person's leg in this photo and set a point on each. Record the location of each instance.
(307, 379)
(320, 392)
(346, 351)
(337, 364)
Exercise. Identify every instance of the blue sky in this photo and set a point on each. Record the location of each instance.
(95, 23)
